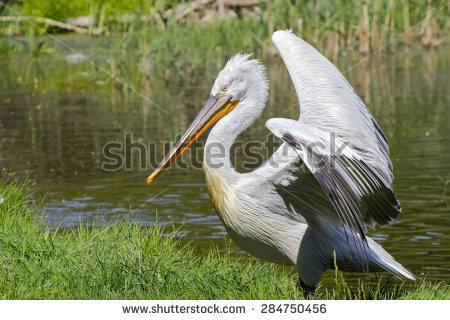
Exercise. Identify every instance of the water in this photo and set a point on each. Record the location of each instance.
(56, 118)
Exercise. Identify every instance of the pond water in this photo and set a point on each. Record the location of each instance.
(56, 118)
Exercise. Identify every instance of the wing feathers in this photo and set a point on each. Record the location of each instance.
(359, 194)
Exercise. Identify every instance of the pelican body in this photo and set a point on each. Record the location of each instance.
(310, 203)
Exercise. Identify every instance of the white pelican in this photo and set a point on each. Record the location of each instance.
(312, 200)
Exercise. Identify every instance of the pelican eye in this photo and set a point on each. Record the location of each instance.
(224, 89)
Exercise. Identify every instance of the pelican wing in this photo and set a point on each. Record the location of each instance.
(329, 103)
(356, 189)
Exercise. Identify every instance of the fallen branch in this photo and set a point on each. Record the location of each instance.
(241, 3)
(47, 21)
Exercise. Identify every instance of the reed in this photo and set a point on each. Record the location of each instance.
(361, 26)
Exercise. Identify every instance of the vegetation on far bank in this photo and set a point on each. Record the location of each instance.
(126, 261)
(129, 44)
(332, 26)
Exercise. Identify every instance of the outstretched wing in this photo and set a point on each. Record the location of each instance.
(344, 150)
(329, 103)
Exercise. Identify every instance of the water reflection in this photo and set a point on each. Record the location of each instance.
(56, 117)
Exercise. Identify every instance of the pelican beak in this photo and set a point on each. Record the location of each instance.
(214, 109)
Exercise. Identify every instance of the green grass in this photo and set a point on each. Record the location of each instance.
(127, 261)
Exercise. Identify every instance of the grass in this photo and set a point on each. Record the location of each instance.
(126, 261)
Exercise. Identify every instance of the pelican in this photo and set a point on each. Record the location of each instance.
(309, 205)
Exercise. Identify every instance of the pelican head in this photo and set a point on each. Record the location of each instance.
(237, 97)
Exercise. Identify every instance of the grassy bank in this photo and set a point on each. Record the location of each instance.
(126, 261)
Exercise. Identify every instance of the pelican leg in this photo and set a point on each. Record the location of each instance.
(308, 291)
